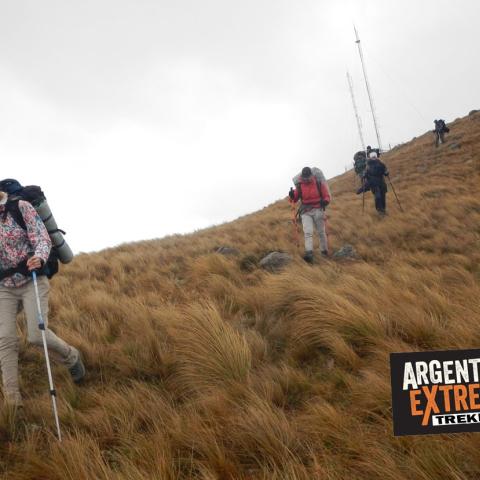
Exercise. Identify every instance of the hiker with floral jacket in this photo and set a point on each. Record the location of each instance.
(22, 251)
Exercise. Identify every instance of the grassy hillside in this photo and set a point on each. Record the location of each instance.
(205, 366)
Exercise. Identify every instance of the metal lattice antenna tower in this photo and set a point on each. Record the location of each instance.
(359, 121)
(370, 98)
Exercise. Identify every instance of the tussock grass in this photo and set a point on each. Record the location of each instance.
(205, 366)
(209, 351)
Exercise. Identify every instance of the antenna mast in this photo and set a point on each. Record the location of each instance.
(359, 121)
(368, 88)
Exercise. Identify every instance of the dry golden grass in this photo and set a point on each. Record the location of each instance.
(204, 366)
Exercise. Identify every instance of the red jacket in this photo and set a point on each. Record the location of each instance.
(308, 191)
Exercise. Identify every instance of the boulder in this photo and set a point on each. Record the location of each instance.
(347, 251)
(275, 261)
(473, 112)
(227, 251)
(454, 146)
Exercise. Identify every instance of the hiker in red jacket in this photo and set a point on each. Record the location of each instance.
(312, 189)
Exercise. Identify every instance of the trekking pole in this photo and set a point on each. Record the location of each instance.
(41, 326)
(327, 229)
(363, 195)
(295, 223)
(395, 193)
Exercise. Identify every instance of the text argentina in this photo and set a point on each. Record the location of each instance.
(445, 372)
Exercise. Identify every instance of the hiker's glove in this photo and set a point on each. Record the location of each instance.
(324, 203)
(291, 194)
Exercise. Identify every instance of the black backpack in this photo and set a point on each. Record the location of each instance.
(360, 162)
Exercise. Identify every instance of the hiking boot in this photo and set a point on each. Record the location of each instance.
(324, 253)
(308, 257)
(77, 370)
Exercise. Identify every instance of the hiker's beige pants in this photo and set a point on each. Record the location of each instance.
(314, 219)
(10, 298)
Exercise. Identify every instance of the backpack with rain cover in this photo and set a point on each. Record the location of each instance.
(319, 178)
(33, 194)
(316, 172)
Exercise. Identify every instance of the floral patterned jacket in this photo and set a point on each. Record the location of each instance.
(16, 244)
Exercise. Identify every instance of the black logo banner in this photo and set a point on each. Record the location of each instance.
(435, 392)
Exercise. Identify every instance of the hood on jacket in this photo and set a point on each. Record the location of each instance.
(10, 185)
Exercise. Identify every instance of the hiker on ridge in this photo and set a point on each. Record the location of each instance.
(312, 189)
(440, 130)
(22, 251)
(374, 180)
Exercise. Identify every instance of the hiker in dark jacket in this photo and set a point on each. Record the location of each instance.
(440, 130)
(374, 180)
(314, 193)
(22, 251)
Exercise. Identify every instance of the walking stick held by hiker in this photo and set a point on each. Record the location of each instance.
(41, 326)
(395, 193)
(363, 195)
(294, 218)
(327, 226)
(295, 223)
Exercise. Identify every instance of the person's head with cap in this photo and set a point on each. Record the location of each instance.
(10, 185)
(306, 172)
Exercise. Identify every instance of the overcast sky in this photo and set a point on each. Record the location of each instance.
(144, 118)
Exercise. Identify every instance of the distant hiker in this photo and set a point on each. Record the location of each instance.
(440, 130)
(312, 189)
(21, 251)
(360, 162)
(374, 180)
(370, 150)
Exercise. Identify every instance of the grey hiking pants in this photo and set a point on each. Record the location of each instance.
(439, 138)
(314, 219)
(10, 297)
